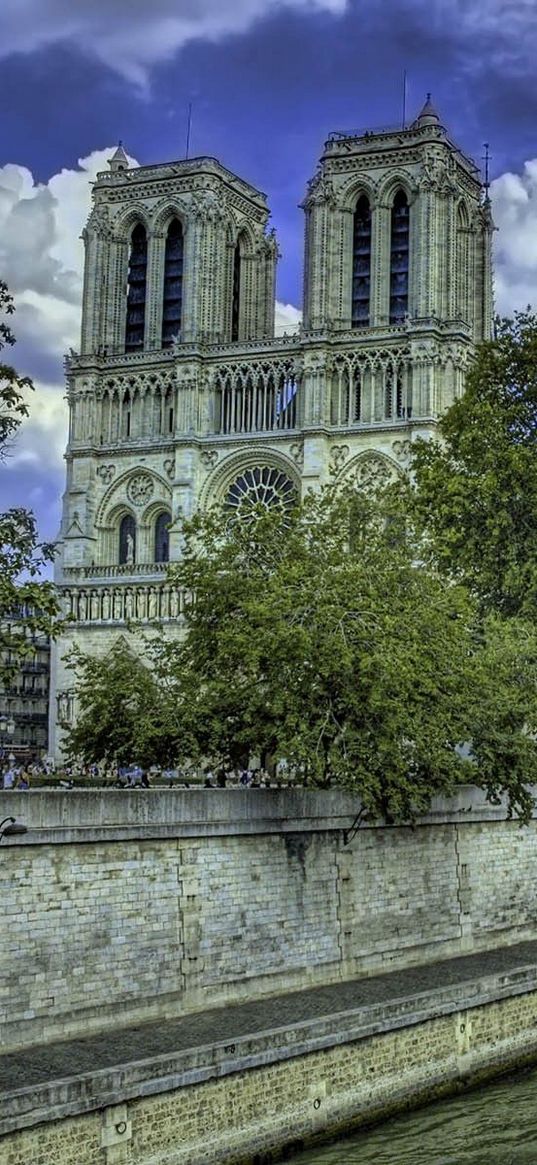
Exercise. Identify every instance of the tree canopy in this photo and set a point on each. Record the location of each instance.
(384, 644)
(124, 711)
(27, 607)
(322, 637)
(476, 488)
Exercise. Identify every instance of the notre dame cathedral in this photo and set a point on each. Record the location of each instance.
(182, 397)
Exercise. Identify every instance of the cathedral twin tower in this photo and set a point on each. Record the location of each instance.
(181, 396)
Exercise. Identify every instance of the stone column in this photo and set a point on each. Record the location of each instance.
(155, 290)
(320, 205)
(267, 286)
(116, 299)
(191, 278)
(341, 298)
(380, 266)
(92, 296)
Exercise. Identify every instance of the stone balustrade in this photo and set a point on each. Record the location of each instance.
(115, 570)
(124, 604)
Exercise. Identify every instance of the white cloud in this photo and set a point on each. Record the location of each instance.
(507, 29)
(45, 432)
(41, 258)
(130, 35)
(514, 201)
(287, 319)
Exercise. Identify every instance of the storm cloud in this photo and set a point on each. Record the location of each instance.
(131, 35)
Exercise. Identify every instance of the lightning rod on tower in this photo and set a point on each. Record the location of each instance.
(188, 129)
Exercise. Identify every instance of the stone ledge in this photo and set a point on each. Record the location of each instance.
(93, 815)
(88, 1091)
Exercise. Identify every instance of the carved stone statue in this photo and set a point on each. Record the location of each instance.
(141, 605)
(130, 549)
(106, 605)
(82, 607)
(64, 707)
(118, 605)
(153, 603)
(129, 604)
(94, 606)
(174, 604)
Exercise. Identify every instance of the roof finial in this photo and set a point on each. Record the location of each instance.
(119, 160)
(428, 115)
(486, 159)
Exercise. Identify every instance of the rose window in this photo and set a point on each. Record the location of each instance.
(261, 485)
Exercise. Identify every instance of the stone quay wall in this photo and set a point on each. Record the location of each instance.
(119, 907)
(266, 1096)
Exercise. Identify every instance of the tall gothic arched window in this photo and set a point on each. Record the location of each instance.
(126, 415)
(127, 540)
(463, 261)
(236, 292)
(361, 264)
(136, 290)
(399, 258)
(172, 306)
(162, 537)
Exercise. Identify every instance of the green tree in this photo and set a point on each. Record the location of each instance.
(322, 637)
(123, 710)
(13, 406)
(27, 607)
(476, 489)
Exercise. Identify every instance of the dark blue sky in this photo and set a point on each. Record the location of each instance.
(266, 90)
(264, 100)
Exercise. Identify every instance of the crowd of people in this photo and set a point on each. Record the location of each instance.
(16, 777)
(39, 774)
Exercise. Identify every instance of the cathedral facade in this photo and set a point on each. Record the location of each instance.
(182, 397)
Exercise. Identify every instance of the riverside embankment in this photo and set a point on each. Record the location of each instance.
(207, 976)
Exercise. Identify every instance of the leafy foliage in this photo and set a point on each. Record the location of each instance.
(27, 607)
(477, 488)
(385, 645)
(123, 710)
(13, 406)
(322, 638)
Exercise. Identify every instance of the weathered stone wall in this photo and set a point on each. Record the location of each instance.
(252, 1115)
(123, 906)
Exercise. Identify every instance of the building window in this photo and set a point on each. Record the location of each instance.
(262, 485)
(162, 538)
(136, 285)
(126, 415)
(127, 540)
(361, 264)
(172, 307)
(388, 394)
(463, 262)
(236, 293)
(399, 258)
(357, 402)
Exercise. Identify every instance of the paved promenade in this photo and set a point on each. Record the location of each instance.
(114, 1049)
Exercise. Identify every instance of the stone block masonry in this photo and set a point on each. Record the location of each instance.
(125, 907)
(242, 1085)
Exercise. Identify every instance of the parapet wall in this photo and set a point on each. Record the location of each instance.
(122, 906)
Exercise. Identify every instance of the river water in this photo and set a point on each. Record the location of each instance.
(495, 1125)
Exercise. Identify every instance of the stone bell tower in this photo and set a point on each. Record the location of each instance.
(182, 398)
(184, 243)
(408, 203)
(398, 241)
